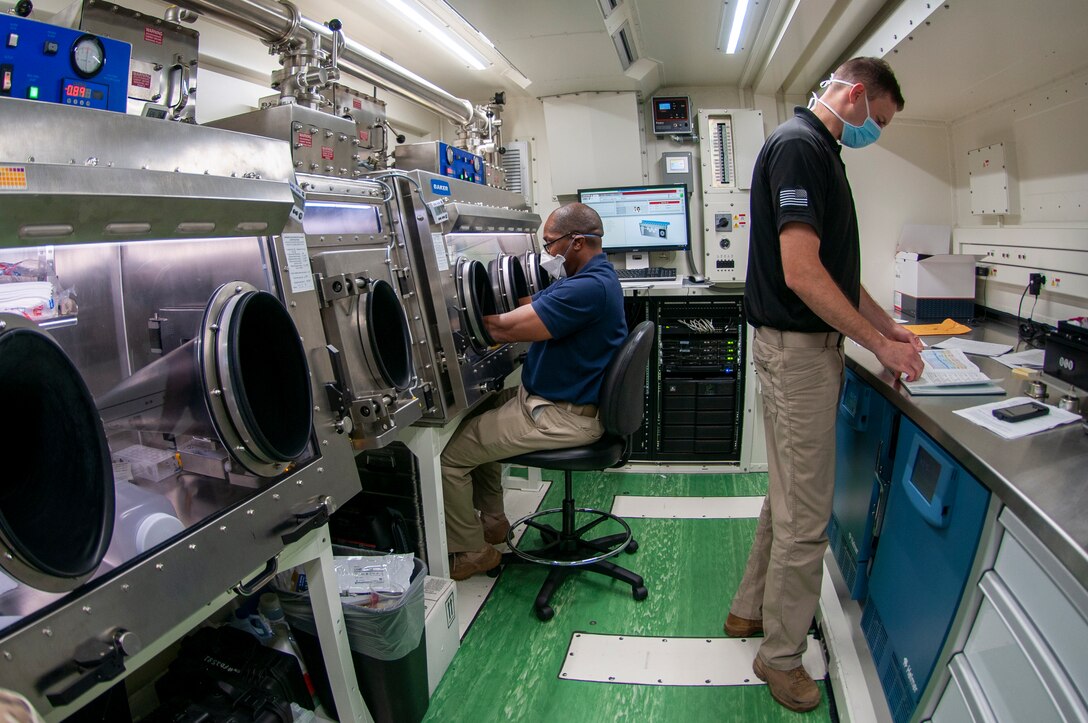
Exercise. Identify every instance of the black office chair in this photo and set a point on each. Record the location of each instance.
(567, 550)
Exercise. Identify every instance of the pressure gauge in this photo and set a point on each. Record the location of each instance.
(88, 56)
(449, 154)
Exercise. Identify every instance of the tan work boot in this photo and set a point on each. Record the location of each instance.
(464, 565)
(794, 688)
(496, 527)
(738, 627)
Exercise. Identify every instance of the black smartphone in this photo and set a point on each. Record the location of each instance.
(1020, 412)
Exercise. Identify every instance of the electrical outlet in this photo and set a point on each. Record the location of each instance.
(1035, 283)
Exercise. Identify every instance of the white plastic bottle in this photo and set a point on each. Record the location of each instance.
(142, 519)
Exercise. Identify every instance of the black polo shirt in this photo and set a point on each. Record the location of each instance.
(799, 176)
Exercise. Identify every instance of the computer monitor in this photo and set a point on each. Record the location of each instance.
(641, 219)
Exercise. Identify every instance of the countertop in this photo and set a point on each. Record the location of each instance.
(1042, 478)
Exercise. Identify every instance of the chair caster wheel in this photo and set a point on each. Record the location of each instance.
(545, 613)
(639, 593)
(632, 546)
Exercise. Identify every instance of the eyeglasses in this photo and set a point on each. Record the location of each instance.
(548, 244)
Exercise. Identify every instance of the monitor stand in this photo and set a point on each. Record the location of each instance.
(637, 260)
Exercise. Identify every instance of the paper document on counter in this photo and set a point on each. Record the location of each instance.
(969, 346)
(983, 415)
(946, 368)
(1032, 358)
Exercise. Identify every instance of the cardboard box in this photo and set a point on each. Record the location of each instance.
(929, 281)
(442, 631)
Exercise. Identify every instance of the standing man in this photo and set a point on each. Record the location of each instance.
(803, 295)
(576, 325)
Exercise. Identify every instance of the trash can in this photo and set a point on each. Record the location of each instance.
(387, 648)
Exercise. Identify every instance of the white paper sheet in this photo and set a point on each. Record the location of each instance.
(983, 416)
(969, 346)
(1032, 358)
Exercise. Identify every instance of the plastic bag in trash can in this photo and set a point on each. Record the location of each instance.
(388, 633)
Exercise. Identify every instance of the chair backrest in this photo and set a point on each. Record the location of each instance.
(623, 389)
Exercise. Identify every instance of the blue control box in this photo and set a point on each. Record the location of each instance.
(459, 163)
(45, 62)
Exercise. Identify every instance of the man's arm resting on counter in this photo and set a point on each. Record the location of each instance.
(521, 324)
(806, 276)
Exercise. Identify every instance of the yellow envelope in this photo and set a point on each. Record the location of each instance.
(945, 328)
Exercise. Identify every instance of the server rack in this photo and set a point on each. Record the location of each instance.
(695, 391)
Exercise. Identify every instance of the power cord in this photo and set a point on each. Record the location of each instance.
(1031, 332)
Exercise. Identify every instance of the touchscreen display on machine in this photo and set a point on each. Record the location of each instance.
(927, 470)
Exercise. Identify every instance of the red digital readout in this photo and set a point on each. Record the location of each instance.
(72, 90)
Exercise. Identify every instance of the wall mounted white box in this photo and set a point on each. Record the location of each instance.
(992, 184)
(440, 626)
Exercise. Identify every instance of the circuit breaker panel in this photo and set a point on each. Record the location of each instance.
(729, 142)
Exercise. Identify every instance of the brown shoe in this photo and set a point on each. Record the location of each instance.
(794, 689)
(464, 565)
(496, 527)
(738, 627)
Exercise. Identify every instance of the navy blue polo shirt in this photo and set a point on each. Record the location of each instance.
(584, 315)
(799, 176)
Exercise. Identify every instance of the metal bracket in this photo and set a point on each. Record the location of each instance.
(95, 661)
(309, 520)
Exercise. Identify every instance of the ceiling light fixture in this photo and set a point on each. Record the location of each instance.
(445, 38)
(735, 26)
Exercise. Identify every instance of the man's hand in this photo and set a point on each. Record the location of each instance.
(900, 357)
(898, 333)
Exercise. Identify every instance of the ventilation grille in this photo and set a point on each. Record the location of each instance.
(516, 162)
(873, 628)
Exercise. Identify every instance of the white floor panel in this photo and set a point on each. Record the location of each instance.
(472, 593)
(687, 507)
(672, 661)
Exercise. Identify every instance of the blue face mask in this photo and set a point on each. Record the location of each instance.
(853, 136)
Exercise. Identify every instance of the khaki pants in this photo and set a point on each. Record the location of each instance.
(512, 422)
(801, 378)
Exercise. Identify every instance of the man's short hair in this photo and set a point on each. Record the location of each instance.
(876, 75)
(577, 218)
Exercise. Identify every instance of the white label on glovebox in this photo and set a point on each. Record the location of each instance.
(298, 262)
(439, 242)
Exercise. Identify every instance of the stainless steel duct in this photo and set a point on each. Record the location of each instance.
(273, 22)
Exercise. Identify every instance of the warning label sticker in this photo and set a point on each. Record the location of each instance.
(153, 35)
(326, 153)
(305, 140)
(141, 80)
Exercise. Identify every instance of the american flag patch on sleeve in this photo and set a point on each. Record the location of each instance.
(797, 197)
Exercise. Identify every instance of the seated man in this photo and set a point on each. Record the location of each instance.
(576, 325)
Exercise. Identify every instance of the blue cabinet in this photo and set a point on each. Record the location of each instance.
(930, 534)
(864, 442)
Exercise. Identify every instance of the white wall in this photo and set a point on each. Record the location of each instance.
(906, 177)
(1044, 134)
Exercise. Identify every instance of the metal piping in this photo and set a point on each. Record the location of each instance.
(273, 22)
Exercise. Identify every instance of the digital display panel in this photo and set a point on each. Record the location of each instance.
(641, 218)
(82, 92)
(926, 472)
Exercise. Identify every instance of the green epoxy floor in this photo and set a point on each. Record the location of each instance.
(508, 666)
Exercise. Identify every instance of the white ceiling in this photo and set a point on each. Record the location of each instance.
(975, 53)
(969, 55)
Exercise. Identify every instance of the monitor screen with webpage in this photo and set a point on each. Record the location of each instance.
(641, 218)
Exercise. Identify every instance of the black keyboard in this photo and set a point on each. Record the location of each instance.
(653, 273)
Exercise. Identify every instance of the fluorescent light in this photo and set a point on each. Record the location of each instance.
(736, 26)
(444, 38)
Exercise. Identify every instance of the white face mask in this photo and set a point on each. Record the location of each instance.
(556, 266)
